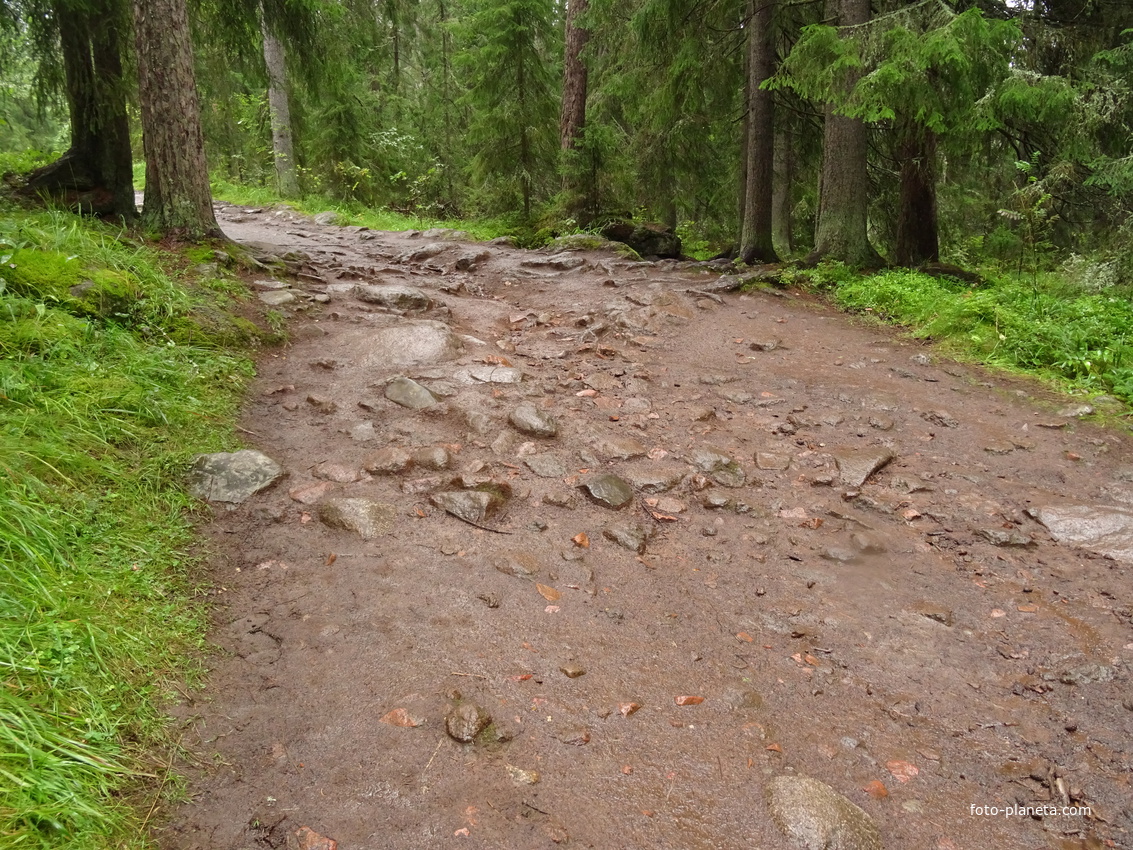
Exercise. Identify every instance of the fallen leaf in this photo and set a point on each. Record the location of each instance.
(627, 769)
(775, 748)
(1029, 609)
(998, 612)
(797, 658)
(551, 609)
(305, 518)
(876, 789)
(648, 812)
(417, 510)
(331, 558)
(660, 517)
(628, 708)
(582, 540)
(522, 678)
(910, 513)
(548, 593)
(744, 636)
(462, 831)
(586, 393)
(811, 660)
(307, 839)
(495, 360)
(813, 522)
(902, 771)
(688, 700)
(400, 717)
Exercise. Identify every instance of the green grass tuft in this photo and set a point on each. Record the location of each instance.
(100, 412)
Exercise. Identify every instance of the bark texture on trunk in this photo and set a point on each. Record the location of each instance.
(573, 117)
(782, 201)
(917, 229)
(178, 198)
(843, 205)
(756, 245)
(95, 175)
(283, 147)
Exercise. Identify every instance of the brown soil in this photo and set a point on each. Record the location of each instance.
(872, 637)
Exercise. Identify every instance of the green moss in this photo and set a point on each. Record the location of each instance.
(41, 275)
(209, 327)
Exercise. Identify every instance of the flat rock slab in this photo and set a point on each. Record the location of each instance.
(232, 477)
(395, 296)
(409, 393)
(856, 465)
(608, 491)
(472, 375)
(474, 506)
(1104, 529)
(277, 297)
(816, 817)
(545, 466)
(367, 518)
(619, 448)
(528, 419)
(631, 536)
(411, 344)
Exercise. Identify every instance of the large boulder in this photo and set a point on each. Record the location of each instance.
(649, 240)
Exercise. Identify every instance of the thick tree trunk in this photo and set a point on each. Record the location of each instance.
(283, 147)
(782, 202)
(756, 237)
(843, 205)
(573, 117)
(178, 198)
(95, 175)
(917, 230)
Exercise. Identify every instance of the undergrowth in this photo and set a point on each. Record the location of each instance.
(101, 409)
(1044, 325)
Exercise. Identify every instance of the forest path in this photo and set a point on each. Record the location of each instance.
(919, 635)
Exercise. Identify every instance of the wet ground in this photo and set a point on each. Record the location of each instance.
(837, 559)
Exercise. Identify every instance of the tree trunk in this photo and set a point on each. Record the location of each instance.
(287, 175)
(917, 237)
(782, 203)
(843, 204)
(178, 198)
(95, 175)
(755, 240)
(573, 116)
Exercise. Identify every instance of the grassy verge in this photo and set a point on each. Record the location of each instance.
(109, 381)
(1040, 325)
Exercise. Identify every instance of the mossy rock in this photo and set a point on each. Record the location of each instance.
(41, 275)
(105, 294)
(590, 242)
(212, 328)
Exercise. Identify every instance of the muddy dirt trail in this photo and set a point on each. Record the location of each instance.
(685, 547)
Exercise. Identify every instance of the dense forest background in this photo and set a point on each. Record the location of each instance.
(980, 130)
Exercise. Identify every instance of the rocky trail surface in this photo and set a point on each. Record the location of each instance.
(568, 550)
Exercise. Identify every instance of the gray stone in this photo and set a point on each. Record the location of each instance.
(1105, 529)
(367, 518)
(921, 359)
(395, 296)
(816, 817)
(433, 457)
(469, 261)
(720, 467)
(475, 506)
(619, 448)
(857, 465)
(1003, 537)
(1087, 674)
(655, 478)
(545, 466)
(277, 297)
(232, 477)
(330, 217)
(559, 262)
(771, 461)
(608, 491)
(410, 344)
(465, 721)
(331, 471)
(766, 345)
(560, 499)
(630, 536)
(940, 417)
(1076, 411)
(363, 432)
(715, 499)
(486, 374)
(446, 233)
(409, 393)
(516, 564)
(528, 419)
(388, 460)
(425, 252)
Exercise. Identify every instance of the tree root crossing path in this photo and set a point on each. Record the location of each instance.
(571, 550)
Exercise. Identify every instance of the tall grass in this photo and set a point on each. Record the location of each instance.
(99, 607)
